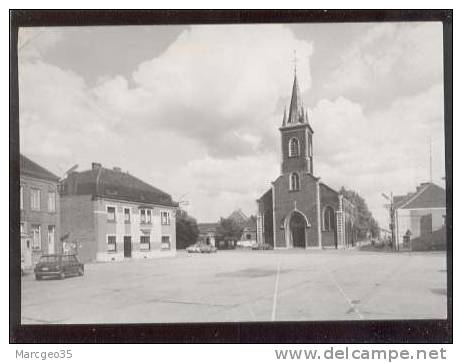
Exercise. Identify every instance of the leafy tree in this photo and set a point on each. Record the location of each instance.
(228, 229)
(365, 222)
(186, 230)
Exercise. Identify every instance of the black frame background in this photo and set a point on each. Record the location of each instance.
(389, 331)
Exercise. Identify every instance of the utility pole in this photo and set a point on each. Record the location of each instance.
(393, 223)
(431, 166)
(391, 207)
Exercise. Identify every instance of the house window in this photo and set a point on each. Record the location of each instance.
(165, 218)
(111, 244)
(145, 216)
(294, 147)
(328, 219)
(51, 239)
(35, 199)
(294, 181)
(21, 197)
(145, 243)
(165, 245)
(22, 228)
(127, 215)
(111, 214)
(51, 202)
(36, 238)
(248, 236)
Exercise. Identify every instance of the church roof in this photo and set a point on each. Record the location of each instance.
(297, 113)
(296, 107)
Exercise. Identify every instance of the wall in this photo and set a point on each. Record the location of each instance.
(78, 219)
(306, 203)
(329, 198)
(294, 163)
(410, 219)
(41, 217)
(265, 209)
(134, 229)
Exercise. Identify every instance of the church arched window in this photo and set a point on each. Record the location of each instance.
(294, 147)
(294, 181)
(328, 219)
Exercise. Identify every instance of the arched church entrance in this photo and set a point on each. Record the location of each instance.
(298, 230)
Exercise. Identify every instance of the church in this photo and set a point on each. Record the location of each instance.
(299, 210)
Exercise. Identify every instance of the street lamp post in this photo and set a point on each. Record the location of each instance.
(392, 220)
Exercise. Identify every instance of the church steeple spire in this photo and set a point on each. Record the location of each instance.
(296, 106)
(296, 135)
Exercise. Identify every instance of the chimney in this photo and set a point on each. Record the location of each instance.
(95, 166)
(117, 169)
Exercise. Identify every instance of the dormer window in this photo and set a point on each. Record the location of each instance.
(294, 182)
(294, 147)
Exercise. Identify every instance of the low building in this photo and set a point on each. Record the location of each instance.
(39, 206)
(419, 213)
(207, 233)
(249, 228)
(110, 215)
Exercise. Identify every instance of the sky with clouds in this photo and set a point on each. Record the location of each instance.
(195, 110)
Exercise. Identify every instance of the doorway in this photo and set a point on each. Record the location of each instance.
(297, 230)
(127, 246)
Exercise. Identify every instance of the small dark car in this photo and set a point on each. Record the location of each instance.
(58, 265)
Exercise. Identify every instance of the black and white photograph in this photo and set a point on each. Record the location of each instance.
(232, 173)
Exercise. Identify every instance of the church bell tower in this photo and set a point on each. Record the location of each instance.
(296, 136)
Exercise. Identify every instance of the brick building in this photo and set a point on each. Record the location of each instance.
(110, 215)
(299, 210)
(39, 205)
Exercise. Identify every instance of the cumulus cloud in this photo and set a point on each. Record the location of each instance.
(389, 60)
(218, 85)
(380, 150)
(202, 117)
(228, 184)
(209, 102)
(34, 42)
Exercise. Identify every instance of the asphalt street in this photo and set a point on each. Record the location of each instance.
(231, 286)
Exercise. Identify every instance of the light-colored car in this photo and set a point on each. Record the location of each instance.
(195, 248)
(201, 248)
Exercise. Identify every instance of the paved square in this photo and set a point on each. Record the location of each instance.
(245, 286)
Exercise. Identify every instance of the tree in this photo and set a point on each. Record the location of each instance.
(365, 222)
(186, 231)
(228, 229)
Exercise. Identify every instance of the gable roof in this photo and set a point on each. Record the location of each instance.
(114, 184)
(32, 169)
(427, 195)
(238, 216)
(207, 227)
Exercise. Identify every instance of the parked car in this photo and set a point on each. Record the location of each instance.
(58, 265)
(262, 246)
(201, 248)
(208, 249)
(195, 248)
